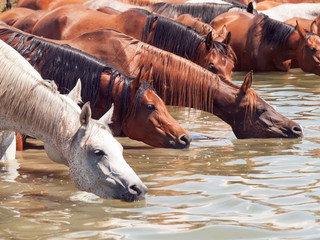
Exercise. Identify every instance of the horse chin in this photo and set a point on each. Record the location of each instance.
(111, 189)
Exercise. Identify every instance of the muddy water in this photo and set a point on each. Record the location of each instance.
(220, 188)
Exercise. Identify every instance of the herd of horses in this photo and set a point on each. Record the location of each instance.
(123, 61)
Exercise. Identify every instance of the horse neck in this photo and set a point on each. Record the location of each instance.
(184, 83)
(30, 107)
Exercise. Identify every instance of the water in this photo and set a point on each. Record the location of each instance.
(220, 188)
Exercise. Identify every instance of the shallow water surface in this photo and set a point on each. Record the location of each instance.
(219, 188)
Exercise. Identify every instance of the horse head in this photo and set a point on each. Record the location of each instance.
(258, 119)
(96, 163)
(148, 119)
(220, 57)
(308, 54)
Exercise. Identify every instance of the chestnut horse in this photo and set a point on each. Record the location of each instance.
(264, 44)
(183, 83)
(73, 20)
(46, 4)
(139, 113)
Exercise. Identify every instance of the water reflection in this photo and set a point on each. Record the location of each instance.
(221, 186)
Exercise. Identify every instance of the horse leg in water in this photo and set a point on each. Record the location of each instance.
(8, 4)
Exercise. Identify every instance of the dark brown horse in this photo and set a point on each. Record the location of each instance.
(182, 83)
(73, 20)
(264, 44)
(139, 113)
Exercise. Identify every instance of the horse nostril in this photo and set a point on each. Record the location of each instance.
(184, 140)
(297, 129)
(133, 189)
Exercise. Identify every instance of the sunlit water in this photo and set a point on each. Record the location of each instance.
(220, 188)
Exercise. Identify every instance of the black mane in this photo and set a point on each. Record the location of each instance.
(177, 38)
(205, 11)
(173, 36)
(273, 32)
(65, 65)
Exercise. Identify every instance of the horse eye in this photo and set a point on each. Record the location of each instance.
(314, 50)
(151, 107)
(98, 153)
(212, 68)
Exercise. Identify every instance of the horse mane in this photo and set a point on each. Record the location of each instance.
(178, 38)
(272, 32)
(21, 92)
(205, 11)
(125, 94)
(65, 65)
(173, 36)
(175, 78)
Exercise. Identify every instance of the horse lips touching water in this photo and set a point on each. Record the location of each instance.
(94, 157)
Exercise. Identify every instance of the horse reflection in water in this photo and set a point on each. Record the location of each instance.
(94, 157)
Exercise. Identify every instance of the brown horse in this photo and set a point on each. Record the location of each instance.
(12, 15)
(73, 20)
(307, 24)
(46, 4)
(139, 112)
(264, 44)
(182, 83)
(186, 19)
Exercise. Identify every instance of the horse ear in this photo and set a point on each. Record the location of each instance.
(106, 119)
(314, 27)
(247, 82)
(250, 7)
(227, 39)
(138, 79)
(85, 114)
(209, 41)
(300, 30)
(75, 93)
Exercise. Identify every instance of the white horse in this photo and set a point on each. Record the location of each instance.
(31, 106)
(286, 11)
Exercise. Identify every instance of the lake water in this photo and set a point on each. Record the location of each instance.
(219, 188)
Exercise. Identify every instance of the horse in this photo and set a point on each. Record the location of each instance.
(181, 82)
(286, 11)
(312, 25)
(186, 19)
(139, 112)
(205, 11)
(94, 156)
(264, 44)
(46, 4)
(71, 21)
(12, 15)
